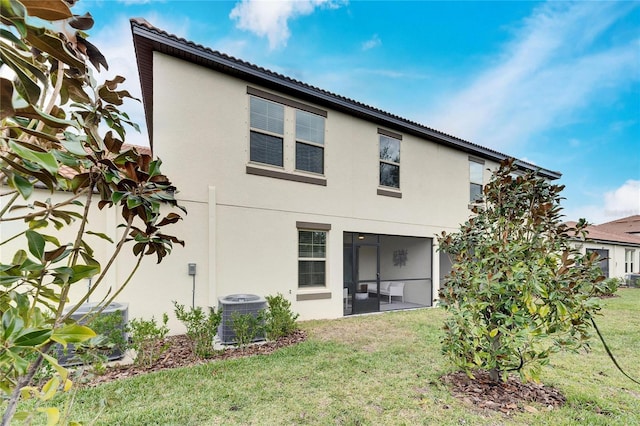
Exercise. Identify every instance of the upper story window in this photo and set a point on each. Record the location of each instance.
(389, 160)
(309, 142)
(267, 132)
(475, 179)
(286, 134)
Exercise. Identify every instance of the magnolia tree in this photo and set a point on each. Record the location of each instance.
(61, 138)
(519, 290)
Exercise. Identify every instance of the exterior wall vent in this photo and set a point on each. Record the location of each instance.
(66, 358)
(242, 303)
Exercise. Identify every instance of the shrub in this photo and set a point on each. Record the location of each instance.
(201, 328)
(246, 327)
(147, 339)
(110, 338)
(519, 290)
(279, 320)
(610, 286)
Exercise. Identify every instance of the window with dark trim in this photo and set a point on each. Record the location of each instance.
(389, 161)
(312, 253)
(279, 125)
(267, 132)
(476, 170)
(309, 142)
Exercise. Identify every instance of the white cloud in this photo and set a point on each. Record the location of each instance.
(550, 72)
(623, 201)
(372, 42)
(611, 205)
(270, 19)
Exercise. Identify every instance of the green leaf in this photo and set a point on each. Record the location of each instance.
(53, 414)
(52, 121)
(21, 184)
(493, 333)
(46, 160)
(11, 323)
(8, 35)
(19, 257)
(54, 363)
(74, 145)
(27, 87)
(50, 388)
(72, 333)
(19, 363)
(101, 235)
(36, 244)
(32, 338)
(83, 271)
(133, 202)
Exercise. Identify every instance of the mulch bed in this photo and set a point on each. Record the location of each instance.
(506, 397)
(180, 354)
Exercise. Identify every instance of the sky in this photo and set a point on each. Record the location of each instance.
(556, 84)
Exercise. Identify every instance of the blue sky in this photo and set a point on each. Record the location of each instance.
(554, 83)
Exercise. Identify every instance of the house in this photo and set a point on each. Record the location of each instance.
(295, 190)
(618, 245)
(289, 189)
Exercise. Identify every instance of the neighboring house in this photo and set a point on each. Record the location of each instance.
(618, 249)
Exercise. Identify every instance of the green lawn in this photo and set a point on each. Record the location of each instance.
(371, 370)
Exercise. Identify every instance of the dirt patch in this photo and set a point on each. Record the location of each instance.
(180, 354)
(506, 397)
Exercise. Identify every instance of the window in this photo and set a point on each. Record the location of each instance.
(267, 132)
(475, 180)
(287, 134)
(389, 161)
(628, 260)
(309, 142)
(312, 251)
(603, 256)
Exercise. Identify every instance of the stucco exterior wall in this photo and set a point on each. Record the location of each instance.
(616, 257)
(246, 238)
(241, 229)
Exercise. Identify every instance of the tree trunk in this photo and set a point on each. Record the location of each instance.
(494, 374)
(15, 396)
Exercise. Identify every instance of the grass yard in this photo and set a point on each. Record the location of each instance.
(371, 370)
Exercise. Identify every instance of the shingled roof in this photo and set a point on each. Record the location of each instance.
(602, 235)
(626, 225)
(147, 39)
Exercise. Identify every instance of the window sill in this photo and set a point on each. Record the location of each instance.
(277, 174)
(313, 294)
(390, 192)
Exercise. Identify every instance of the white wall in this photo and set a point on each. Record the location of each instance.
(616, 256)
